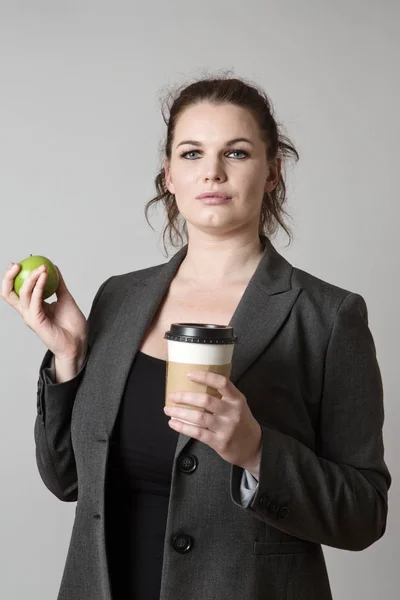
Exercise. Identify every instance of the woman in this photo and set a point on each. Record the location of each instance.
(236, 504)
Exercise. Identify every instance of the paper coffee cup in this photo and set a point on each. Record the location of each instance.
(197, 347)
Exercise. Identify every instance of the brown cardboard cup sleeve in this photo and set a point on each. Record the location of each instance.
(177, 380)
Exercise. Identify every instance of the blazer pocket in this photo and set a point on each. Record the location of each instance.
(264, 548)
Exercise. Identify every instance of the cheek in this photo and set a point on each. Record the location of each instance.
(252, 185)
(184, 179)
(251, 179)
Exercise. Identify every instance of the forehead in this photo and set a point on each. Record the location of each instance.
(206, 121)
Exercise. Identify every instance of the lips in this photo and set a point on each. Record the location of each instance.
(214, 201)
(219, 195)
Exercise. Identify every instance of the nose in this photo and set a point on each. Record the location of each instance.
(214, 171)
(214, 176)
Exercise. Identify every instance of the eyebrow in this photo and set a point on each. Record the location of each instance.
(229, 143)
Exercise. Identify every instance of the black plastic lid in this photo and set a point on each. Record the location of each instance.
(201, 333)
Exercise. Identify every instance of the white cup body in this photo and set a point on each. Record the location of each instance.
(199, 353)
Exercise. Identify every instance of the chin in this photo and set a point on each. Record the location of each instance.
(219, 226)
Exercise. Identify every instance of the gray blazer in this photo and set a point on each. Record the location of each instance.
(306, 363)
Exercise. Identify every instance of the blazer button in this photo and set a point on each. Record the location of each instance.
(283, 512)
(273, 507)
(182, 543)
(187, 463)
(264, 500)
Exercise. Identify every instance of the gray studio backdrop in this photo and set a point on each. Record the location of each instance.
(80, 130)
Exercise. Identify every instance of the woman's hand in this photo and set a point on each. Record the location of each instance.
(60, 325)
(228, 426)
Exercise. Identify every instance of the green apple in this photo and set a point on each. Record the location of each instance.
(30, 264)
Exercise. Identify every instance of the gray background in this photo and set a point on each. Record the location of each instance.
(80, 129)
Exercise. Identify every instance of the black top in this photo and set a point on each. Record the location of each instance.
(142, 449)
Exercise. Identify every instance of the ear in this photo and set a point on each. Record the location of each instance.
(168, 181)
(275, 169)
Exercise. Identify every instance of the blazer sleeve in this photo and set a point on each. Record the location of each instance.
(337, 495)
(52, 432)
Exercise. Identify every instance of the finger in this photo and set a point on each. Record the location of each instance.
(210, 403)
(199, 433)
(195, 417)
(37, 294)
(62, 289)
(25, 293)
(221, 383)
(7, 286)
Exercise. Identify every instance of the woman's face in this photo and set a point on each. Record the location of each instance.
(239, 169)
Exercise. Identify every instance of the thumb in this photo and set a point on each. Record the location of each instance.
(62, 290)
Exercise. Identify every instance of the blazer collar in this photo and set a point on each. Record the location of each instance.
(264, 306)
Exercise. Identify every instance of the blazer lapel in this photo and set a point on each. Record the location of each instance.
(141, 298)
(263, 308)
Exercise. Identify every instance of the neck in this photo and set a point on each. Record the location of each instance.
(221, 261)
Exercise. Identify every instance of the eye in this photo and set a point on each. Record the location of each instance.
(240, 152)
(185, 154)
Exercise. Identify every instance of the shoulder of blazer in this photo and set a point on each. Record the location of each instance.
(133, 277)
(146, 275)
(319, 286)
(322, 297)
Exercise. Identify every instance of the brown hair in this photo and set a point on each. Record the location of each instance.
(241, 93)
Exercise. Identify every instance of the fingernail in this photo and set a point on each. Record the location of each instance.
(10, 265)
